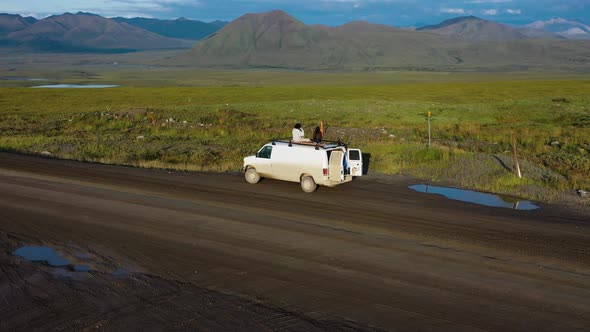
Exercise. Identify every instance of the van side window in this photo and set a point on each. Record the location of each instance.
(265, 152)
(354, 155)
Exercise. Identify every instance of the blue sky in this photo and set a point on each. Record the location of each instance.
(330, 12)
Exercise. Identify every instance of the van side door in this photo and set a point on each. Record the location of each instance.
(355, 162)
(263, 160)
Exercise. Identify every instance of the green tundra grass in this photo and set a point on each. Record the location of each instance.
(227, 115)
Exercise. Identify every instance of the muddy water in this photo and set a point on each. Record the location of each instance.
(476, 197)
(79, 262)
(50, 257)
(41, 254)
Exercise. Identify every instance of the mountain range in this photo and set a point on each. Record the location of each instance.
(88, 32)
(565, 28)
(276, 39)
(10, 23)
(179, 28)
(474, 29)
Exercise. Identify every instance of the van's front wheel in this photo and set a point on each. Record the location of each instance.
(308, 184)
(252, 176)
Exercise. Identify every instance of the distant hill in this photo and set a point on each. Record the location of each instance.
(219, 24)
(276, 39)
(10, 23)
(87, 32)
(180, 28)
(566, 28)
(474, 29)
(538, 33)
(30, 19)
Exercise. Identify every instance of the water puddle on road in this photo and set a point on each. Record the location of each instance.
(41, 254)
(51, 257)
(82, 268)
(476, 197)
(70, 264)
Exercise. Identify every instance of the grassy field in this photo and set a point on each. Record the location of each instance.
(226, 115)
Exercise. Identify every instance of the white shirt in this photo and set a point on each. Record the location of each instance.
(298, 135)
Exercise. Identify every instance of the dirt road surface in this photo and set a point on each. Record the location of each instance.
(198, 251)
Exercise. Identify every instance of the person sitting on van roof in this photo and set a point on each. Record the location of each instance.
(317, 135)
(298, 134)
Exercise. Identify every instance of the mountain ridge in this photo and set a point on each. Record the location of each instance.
(276, 39)
(573, 29)
(14, 22)
(86, 32)
(474, 29)
(181, 28)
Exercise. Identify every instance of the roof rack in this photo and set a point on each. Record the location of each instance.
(323, 143)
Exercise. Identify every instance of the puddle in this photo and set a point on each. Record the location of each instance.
(19, 78)
(476, 197)
(49, 256)
(77, 86)
(41, 254)
(69, 264)
(82, 268)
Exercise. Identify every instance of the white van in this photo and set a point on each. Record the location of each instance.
(325, 164)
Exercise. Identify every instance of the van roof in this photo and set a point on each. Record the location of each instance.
(323, 144)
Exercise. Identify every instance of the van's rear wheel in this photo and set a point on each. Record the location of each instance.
(308, 184)
(252, 176)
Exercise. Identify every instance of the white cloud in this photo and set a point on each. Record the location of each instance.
(490, 12)
(514, 11)
(453, 10)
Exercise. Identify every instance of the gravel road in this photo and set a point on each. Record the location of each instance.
(208, 251)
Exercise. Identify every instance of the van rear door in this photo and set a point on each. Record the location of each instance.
(355, 162)
(336, 170)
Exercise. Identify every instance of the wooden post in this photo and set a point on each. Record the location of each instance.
(516, 165)
(429, 134)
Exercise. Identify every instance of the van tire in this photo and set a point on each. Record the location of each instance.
(308, 184)
(252, 176)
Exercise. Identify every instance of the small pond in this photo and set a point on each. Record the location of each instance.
(476, 197)
(19, 78)
(76, 86)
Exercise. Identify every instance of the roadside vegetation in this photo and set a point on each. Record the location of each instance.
(213, 127)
